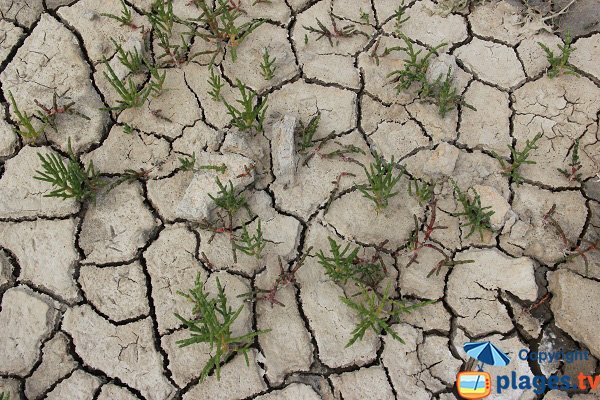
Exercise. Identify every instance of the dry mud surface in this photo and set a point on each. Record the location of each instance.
(88, 291)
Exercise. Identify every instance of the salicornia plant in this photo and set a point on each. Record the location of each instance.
(26, 129)
(212, 324)
(286, 277)
(126, 17)
(478, 217)
(173, 53)
(400, 18)
(163, 20)
(307, 133)
(415, 65)
(252, 114)
(130, 95)
(559, 64)
(267, 66)
(323, 32)
(222, 27)
(572, 173)
(343, 265)
(49, 114)
(422, 191)
(157, 80)
(133, 60)
(70, 180)
(228, 199)
(442, 93)
(162, 17)
(519, 158)
(128, 176)
(375, 311)
(381, 182)
(580, 247)
(364, 16)
(187, 163)
(214, 80)
(251, 245)
(230, 202)
(416, 243)
(343, 152)
(220, 168)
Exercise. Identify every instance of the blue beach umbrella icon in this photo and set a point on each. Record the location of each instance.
(486, 353)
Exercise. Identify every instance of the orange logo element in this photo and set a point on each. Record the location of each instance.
(473, 385)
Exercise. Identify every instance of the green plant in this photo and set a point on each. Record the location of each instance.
(415, 67)
(4, 396)
(175, 54)
(187, 163)
(478, 218)
(399, 18)
(307, 133)
(285, 278)
(572, 173)
(214, 80)
(252, 115)
(126, 17)
(364, 16)
(128, 176)
(375, 311)
(342, 152)
(71, 180)
(228, 200)
(48, 115)
(222, 26)
(344, 265)
(163, 20)
(26, 128)
(559, 64)
(162, 17)
(518, 159)
(423, 192)
(133, 60)
(381, 182)
(157, 80)
(251, 245)
(128, 129)
(450, 6)
(267, 66)
(212, 324)
(443, 93)
(130, 95)
(221, 168)
(323, 32)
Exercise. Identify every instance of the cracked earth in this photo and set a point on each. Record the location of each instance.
(89, 291)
